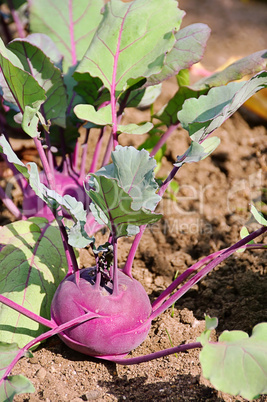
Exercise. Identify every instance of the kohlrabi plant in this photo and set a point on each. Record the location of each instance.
(99, 61)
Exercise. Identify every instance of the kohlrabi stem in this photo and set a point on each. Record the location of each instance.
(50, 156)
(115, 265)
(167, 181)
(151, 356)
(70, 255)
(41, 338)
(127, 270)
(26, 312)
(49, 174)
(166, 293)
(108, 151)
(84, 156)
(18, 23)
(164, 138)
(129, 262)
(10, 205)
(208, 268)
(93, 166)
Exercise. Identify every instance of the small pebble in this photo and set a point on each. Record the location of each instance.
(91, 395)
(40, 374)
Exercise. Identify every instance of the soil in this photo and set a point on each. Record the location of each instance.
(209, 210)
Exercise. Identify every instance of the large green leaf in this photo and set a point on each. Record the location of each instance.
(252, 64)
(49, 77)
(112, 206)
(203, 115)
(70, 24)
(11, 385)
(134, 171)
(237, 363)
(21, 87)
(131, 41)
(32, 264)
(190, 43)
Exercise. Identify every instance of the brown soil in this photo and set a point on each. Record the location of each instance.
(211, 207)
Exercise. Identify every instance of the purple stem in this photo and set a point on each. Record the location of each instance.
(19, 26)
(166, 293)
(93, 166)
(152, 356)
(129, 262)
(26, 312)
(127, 270)
(115, 265)
(209, 267)
(108, 151)
(75, 156)
(10, 205)
(41, 338)
(84, 156)
(70, 255)
(49, 175)
(163, 139)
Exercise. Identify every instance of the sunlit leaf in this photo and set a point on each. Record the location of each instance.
(190, 43)
(248, 65)
(134, 171)
(71, 25)
(197, 152)
(33, 259)
(237, 363)
(258, 216)
(131, 41)
(203, 115)
(49, 77)
(112, 206)
(21, 87)
(16, 384)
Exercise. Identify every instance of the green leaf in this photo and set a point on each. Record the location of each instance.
(112, 206)
(203, 115)
(101, 117)
(21, 86)
(237, 363)
(12, 385)
(134, 171)
(71, 25)
(33, 260)
(258, 216)
(131, 41)
(190, 43)
(168, 114)
(135, 128)
(15, 385)
(6, 149)
(251, 64)
(48, 47)
(197, 152)
(36, 63)
(211, 322)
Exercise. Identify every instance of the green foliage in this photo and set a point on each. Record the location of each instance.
(200, 117)
(71, 28)
(15, 384)
(237, 363)
(33, 275)
(131, 42)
